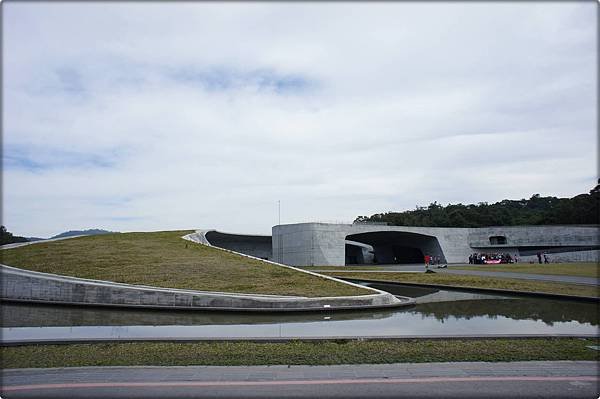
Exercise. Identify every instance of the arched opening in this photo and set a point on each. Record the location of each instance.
(392, 247)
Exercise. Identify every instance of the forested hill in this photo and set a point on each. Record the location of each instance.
(581, 209)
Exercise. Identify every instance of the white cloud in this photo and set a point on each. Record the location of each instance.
(143, 116)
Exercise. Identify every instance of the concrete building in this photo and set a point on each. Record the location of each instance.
(323, 244)
(343, 244)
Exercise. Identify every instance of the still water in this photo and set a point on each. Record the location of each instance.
(437, 312)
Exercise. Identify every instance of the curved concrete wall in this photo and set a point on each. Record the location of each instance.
(29, 286)
(259, 246)
(321, 244)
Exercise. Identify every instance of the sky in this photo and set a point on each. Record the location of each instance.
(160, 116)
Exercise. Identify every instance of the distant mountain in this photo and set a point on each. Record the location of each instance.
(31, 239)
(89, 232)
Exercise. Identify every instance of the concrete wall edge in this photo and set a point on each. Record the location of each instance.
(30, 286)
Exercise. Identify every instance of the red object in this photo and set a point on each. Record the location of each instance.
(427, 259)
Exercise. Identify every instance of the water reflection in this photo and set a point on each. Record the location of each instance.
(547, 311)
(437, 312)
(37, 315)
(400, 324)
(443, 304)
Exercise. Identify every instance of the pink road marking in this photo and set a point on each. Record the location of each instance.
(288, 382)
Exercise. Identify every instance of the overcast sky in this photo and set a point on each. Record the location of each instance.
(157, 116)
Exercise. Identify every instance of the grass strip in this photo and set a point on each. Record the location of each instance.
(476, 282)
(557, 269)
(163, 259)
(237, 353)
(335, 268)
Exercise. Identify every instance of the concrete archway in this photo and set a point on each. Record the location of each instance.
(391, 247)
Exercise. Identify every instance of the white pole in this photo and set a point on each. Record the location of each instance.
(280, 238)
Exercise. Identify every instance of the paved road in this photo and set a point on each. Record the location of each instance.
(425, 380)
(451, 270)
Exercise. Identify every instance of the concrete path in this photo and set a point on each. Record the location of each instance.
(452, 270)
(560, 379)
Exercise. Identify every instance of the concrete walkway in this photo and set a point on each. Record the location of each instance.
(558, 379)
(452, 270)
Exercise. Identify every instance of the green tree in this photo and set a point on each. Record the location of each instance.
(537, 210)
(7, 237)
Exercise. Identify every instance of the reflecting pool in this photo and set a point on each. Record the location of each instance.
(437, 312)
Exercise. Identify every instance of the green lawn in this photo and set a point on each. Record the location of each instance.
(163, 259)
(561, 269)
(297, 352)
(476, 282)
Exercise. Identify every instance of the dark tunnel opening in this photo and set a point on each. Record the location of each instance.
(407, 254)
(391, 247)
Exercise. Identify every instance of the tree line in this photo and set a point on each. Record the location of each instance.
(6, 237)
(537, 210)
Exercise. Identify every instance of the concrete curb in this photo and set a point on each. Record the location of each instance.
(473, 337)
(477, 365)
(485, 290)
(21, 285)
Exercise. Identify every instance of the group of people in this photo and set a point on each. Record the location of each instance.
(432, 260)
(480, 259)
(545, 255)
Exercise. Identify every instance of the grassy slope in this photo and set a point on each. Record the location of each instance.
(476, 281)
(560, 269)
(163, 259)
(297, 352)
